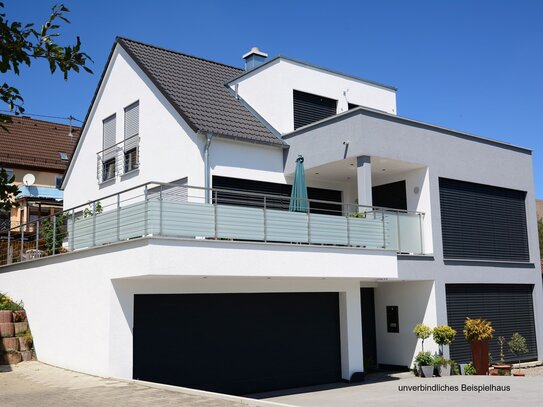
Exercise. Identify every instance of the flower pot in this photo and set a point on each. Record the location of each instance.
(6, 317)
(519, 374)
(479, 350)
(9, 344)
(427, 371)
(444, 370)
(501, 370)
(26, 355)
(20, 327)
(25, 343)
(19, 316)
(7, 330)
(11, 358)
(462, 368)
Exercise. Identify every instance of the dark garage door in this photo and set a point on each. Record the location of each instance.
(508, 306)
(237, 343)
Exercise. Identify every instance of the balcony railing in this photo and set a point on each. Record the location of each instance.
(174, 210)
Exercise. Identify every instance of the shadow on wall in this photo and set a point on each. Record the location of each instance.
(415, 302)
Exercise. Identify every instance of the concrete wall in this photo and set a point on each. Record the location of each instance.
(416, 303)
(269, 91)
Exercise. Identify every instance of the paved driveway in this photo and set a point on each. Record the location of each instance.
(525, 391)
(33, 384)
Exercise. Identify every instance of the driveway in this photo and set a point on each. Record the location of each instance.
(33, 384)
(406, 390)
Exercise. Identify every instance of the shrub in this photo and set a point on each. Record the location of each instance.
(424, 359)
(478, 330)
(7, 303)
(422, 332)
(517, 345)
(441, 361)
(469, 370)
(443, 335)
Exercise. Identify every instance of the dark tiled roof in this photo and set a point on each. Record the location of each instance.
(196, 88)
(36, 143)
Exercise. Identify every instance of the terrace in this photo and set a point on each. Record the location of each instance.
(182, 211)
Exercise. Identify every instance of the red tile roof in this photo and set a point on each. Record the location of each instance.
(36, 143)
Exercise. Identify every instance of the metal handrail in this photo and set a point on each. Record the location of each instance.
(117, 144)
(213, 191)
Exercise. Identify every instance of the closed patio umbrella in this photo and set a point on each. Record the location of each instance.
(298, 197)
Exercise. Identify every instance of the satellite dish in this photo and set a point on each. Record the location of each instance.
(29, 179)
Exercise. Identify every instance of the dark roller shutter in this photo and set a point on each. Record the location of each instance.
(309, 108)
(508, 306)
(483, 222)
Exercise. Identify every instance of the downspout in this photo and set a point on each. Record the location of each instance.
(207, 169)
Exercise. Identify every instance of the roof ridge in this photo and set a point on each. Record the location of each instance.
(13, 116)
(120, 38)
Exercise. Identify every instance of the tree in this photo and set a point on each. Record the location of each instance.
(22, 44)
(540, 231)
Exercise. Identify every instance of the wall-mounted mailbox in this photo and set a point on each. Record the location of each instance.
(393, 322)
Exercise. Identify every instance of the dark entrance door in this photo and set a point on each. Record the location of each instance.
(390, 195)
(369, 340)
(237, 343)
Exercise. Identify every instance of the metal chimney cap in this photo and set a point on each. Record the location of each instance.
(255, 51)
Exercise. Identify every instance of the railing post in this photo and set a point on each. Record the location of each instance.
(215, 214)
(72, 237)
(118, 217)
(94, 223)
(37, 236)
(23, 226)
(308, 223)
(146, 214)
(54, 234)
(399, 238)
(9, 246)
(160, 210)
(348, 227)
(384, 229)
(265, 223)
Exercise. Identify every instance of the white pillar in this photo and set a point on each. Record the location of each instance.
(363, 179)
(350, 322)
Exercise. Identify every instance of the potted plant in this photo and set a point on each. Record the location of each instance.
(469, 369)
(442, 365)
(443, 335)
(518, 346)
(478, 333)
(502, 368)
(425, 363)
(422, 332)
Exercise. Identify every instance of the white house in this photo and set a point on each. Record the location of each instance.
(178, 261)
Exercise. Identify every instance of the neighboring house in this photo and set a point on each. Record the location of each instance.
(185, 265)
(539, 207)
(39, 150)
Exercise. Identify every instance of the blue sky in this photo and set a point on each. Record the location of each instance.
(474, 66)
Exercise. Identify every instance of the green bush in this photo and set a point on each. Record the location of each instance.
(7, 303)
(517, 345)
(469, 370)
(441, 361)
(443, 335)
(424, 359)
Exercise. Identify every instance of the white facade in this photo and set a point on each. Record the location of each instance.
(94, 288)
(268, 90)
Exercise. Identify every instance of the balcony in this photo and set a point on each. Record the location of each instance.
(181, 211)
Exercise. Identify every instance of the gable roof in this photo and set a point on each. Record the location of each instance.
(197, 89)
(33, 143)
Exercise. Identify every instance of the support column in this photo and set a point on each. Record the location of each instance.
(350, 322)
(363, 177)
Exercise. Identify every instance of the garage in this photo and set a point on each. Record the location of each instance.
(237, 343)
(508, 306)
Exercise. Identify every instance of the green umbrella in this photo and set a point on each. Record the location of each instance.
(298, 197)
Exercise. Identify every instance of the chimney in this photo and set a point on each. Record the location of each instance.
(254, 58)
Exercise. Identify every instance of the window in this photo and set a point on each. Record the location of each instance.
(310, 108)
(63, 156)
(58, 182)
(131, 137)
(108, 170)
(109, 151)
